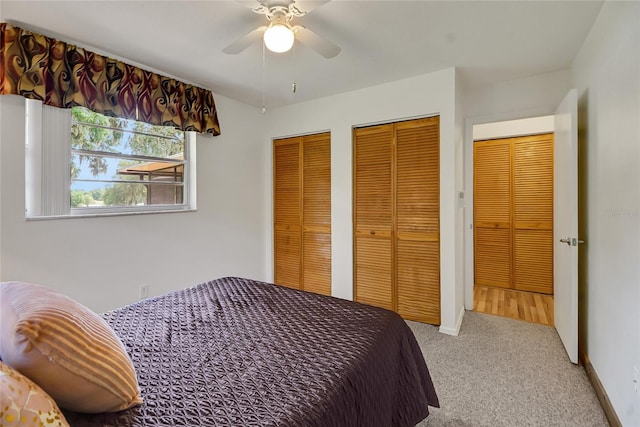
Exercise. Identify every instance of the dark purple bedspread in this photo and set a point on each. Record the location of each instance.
(236, 352)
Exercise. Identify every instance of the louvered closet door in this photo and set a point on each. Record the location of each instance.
(418, 226)
(317, 213)
(492, 213)
(287, 212)
(533, 213)
(373, 220)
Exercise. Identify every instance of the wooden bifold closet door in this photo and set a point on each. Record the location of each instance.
(302, 212)
(396, 217)
(513, 213)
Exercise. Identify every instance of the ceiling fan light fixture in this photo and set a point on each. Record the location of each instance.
(278, 38)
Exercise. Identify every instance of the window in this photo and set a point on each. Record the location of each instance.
(79, 162)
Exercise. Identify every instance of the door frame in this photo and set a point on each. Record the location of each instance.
(469, 254)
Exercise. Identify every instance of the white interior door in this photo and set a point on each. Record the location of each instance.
(565, 223)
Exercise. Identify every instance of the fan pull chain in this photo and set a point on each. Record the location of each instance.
(264, 107)
(294, 86)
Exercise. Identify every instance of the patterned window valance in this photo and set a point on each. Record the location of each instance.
(64, 75)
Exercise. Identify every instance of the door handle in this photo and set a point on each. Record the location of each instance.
(571, 241)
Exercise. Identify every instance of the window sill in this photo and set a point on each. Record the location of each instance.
(107, 214)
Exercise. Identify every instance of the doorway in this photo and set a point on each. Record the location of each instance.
(513, 219)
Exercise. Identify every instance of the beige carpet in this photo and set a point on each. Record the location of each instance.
(504, 372)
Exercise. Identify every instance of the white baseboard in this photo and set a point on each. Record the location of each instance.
(454, 331)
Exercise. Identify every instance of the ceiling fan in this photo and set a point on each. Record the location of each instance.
(280, 34)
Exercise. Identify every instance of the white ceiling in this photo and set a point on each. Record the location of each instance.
(489, 41)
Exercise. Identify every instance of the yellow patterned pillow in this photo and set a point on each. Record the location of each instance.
(67, 349)
(23, 403)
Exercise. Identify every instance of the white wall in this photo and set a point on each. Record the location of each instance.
(102, 261)
(419, 96)
(606, 72)
(533, 96)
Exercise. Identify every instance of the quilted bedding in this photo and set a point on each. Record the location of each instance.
(237, 352)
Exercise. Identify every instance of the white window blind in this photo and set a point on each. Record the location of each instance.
(47, 160)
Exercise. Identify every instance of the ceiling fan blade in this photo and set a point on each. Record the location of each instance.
(306, 6)
(316, 42)
(254, 5)
(302, 6)
(245, 41)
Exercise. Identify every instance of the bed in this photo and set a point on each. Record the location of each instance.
(238, 352)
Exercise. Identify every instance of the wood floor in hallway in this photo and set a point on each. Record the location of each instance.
(527, 306)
